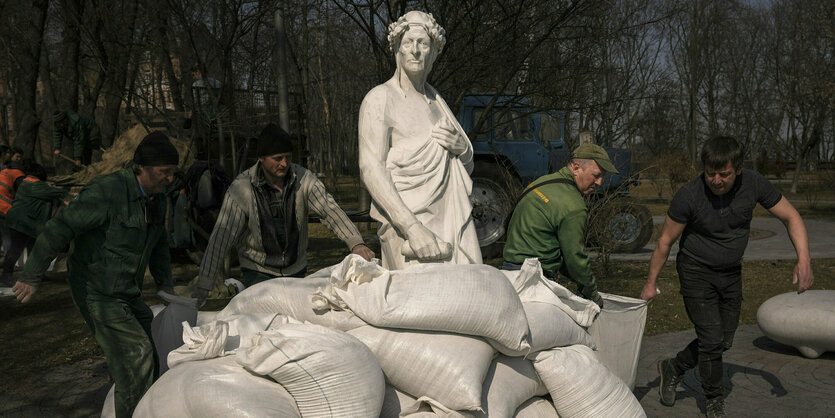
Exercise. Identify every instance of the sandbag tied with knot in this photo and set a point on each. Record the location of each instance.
(291, 296)
(328, 372)
(222, 338)
(471, 299)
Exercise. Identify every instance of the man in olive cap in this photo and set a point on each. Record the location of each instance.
(116, 226)
(549, 221)
(265, 215)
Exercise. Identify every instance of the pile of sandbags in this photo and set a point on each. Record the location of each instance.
(430, 340)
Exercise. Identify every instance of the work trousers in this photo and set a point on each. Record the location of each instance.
(123, 331)
(19, 242)
(712, 298)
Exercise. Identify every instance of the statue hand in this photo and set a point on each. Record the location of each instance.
(445, 133)
(363, 251)
(423, 242)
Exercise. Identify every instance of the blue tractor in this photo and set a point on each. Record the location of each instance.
(515, 146)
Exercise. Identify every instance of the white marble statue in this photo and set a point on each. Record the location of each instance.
(415, 158)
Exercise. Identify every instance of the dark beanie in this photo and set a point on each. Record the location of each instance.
(155, 149)
(273, 140)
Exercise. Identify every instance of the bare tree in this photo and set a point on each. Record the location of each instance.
(22, 41)
(803, 59)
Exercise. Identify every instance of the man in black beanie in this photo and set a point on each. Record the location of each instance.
(117, 228)
(265, 214)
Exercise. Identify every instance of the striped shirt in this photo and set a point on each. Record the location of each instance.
(237, 225)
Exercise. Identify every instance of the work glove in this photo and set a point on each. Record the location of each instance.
(200, 295)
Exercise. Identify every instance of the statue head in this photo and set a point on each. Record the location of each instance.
(424, 41)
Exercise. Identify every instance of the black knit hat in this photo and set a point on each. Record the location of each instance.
(155, 149)
(274, 140)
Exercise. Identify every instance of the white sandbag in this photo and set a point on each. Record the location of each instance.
(510, 382)
(167, 326)
(447, 368)
(395, 401)
(551, 327)
(532, 286)
(290, 296)
(399, 404)
(218, 387)
(222, 338)
(108, 410)
(618, 332)
(418, 410)
(205, 317)
(328, 372)
(536, 408)
(580, 386)
(156, 309)
(472, 299)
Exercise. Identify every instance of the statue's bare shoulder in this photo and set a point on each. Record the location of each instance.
(378, 96)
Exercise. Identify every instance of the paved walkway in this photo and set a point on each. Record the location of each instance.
(771, 241)
(763, 378)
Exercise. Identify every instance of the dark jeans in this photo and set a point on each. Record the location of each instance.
(19, 242)
(712, 298)
(251, 277)
(123, 330)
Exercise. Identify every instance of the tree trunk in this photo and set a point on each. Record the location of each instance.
(118, 62)
(27, 120)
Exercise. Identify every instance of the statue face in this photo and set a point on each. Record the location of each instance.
(415, 52)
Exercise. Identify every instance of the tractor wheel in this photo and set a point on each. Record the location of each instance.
(624, 225)
(492, 200)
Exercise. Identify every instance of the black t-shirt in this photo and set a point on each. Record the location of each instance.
(717, 227)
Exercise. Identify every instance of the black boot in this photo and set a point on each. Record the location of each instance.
(670, 378)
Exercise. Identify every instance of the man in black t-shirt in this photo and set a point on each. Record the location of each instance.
(712, 214)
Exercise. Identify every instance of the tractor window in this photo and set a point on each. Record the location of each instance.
(552, 127)
(482, 136)
(513, 126)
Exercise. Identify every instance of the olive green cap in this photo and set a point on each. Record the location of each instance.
(589, 151)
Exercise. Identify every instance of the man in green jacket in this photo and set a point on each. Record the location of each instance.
(83, 130)
(31, 208)
(116, 228)
(549, 221)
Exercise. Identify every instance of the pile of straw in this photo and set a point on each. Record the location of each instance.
(115, 158)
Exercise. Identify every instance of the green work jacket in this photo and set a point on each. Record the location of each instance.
(549, 223)
(32, 206)
(110, 242)
(83, 130)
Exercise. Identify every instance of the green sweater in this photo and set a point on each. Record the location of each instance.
(32, 206)
(110, 242)
(83, 130)
(549, 223)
